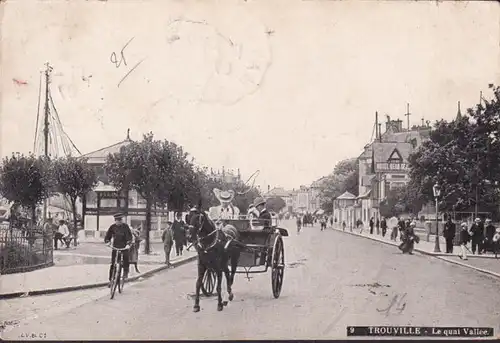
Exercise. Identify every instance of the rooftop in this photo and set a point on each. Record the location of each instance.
(346, 196)
(100, 156)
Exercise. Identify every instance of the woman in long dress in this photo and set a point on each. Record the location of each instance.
(409, 238)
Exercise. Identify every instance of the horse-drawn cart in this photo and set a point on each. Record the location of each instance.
(263, 249)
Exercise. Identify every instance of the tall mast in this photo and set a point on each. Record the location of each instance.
(46, 110)
(46, 126)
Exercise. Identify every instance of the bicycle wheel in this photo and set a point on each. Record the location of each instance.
(119, 279)
(114, 281)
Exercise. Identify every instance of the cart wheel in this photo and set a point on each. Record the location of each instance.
(278, 266)
(208, 284)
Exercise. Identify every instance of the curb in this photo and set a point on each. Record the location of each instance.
(440, 256)
(92, 285)
(469, 266)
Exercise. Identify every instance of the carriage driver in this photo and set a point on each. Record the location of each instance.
(260, 205)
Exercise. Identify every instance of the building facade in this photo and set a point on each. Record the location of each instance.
(100, 204)
(383, 166)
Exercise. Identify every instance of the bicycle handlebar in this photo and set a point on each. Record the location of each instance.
(119, 249)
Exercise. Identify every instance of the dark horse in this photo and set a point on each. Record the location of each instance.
(216, 248)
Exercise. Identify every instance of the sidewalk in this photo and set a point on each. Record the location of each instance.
(99, 253)
(74, 277)
(483, 263)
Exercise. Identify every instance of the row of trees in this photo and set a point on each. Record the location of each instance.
(345, 177)
(29, 180)
(161, 172)
(463, 157)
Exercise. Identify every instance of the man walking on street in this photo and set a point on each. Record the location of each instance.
(477, 233)
(179, 234)
(383, 226)
(377, 225)
(449, 235)
(489, 232)
(372, 224)
(168, 240)
(464, 239)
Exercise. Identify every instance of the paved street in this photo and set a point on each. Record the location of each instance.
(332, 280)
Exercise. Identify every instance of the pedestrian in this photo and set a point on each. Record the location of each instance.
(496, 242)
(409, 239)
(383, 226)
(464, 239)
(49, 229)
(372, 224)
(377, 225)
(449, 235)
(62, 234)
(477, 236)
(168, 240)
(179, 234)
(134, 249)
(343, 225)
(489, 232)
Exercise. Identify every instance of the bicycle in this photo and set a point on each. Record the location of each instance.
(116, 280)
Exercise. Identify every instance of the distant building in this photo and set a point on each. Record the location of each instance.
(383, 166)
(280, 192)
(229, 176)
(306, 199)
(344, 209)
(100, 204)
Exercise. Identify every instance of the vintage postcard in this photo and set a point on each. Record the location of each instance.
(249, 169)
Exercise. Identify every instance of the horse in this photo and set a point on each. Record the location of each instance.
(216, 248)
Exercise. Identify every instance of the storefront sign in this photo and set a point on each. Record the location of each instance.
(384, 166)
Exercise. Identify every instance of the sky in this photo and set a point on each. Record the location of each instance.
(288, 87)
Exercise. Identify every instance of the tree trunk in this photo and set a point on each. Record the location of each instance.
(75, 227)
(33, 217)
(148, 225)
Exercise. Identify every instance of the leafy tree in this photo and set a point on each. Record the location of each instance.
(463, 156)
(157, 170)
(73, 178)
(26, 180)
(345, 177)
(275, 204)
(400, 200)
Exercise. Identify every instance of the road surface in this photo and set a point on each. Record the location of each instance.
(332, 280)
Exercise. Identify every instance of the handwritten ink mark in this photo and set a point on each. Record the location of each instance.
(400, 305)
(20, 82)
(130, 71)
(114, 59)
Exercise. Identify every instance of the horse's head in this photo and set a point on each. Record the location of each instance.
(199, 226)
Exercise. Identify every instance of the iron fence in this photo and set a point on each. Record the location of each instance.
(25, 249)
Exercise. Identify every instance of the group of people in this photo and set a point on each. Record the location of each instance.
(61, 232)
(175, 232)
(483, 237)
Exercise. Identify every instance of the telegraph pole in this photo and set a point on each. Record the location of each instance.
(408, 114)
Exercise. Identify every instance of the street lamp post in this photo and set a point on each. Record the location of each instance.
(436, 189)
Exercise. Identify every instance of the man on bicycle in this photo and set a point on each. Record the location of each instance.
(122, 237)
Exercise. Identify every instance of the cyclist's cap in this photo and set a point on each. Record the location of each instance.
(118, 215)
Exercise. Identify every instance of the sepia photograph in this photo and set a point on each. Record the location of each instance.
(249, 170)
